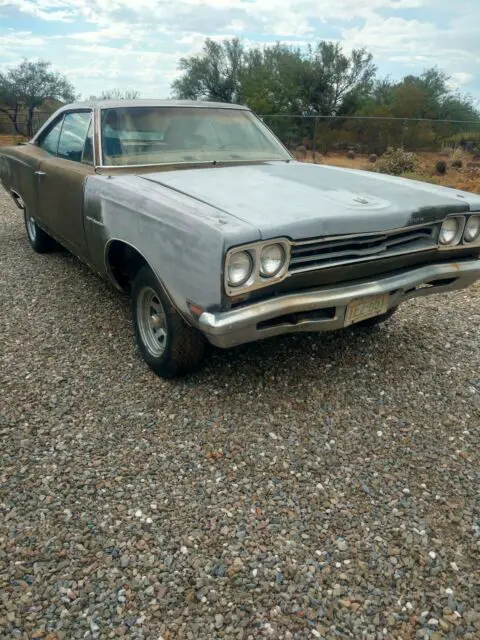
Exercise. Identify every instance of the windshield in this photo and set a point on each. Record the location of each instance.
(165, 135)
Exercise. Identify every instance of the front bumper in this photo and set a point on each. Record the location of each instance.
(324, 309)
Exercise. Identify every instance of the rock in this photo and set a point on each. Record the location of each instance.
(471, 617)
(342, 544)
(444, 625)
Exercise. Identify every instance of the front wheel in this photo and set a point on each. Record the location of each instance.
(40, 241)
(167, 343)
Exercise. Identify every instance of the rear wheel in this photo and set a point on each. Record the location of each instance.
(40, 241)
(369, 323)
(167, 343)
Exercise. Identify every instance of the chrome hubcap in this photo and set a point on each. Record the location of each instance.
(151, 321)
(31, 227)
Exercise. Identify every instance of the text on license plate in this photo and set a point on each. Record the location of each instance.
(364, 308)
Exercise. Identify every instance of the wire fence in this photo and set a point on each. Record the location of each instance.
(21, 127)
(324, 134)
(372, 135)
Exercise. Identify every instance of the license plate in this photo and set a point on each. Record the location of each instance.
(365, 308)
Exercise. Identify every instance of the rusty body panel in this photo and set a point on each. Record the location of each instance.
(183, 218)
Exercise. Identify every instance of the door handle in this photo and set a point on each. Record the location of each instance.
(40, 173)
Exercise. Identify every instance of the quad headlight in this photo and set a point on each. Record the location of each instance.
(272, 259)
(256, 265)
(449, 231)
(460, 230)
(239, 268)
(472, 230)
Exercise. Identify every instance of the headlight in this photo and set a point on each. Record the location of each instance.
(472, 229)
(272, 259)
(449, 231)
(239, 268)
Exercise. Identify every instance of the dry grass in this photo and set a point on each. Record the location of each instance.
(8, 140)
(466, 178)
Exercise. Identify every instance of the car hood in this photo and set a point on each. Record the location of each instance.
(300, 200)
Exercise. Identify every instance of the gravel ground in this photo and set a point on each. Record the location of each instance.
(305, 487)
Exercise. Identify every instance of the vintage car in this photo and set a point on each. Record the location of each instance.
(220, 236)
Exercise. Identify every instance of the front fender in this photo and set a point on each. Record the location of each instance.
(182, 240)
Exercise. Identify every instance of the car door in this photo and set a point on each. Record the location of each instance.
(21, 170)
(62, 174)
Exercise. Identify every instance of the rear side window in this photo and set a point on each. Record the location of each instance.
(49, 142)
(74, 135)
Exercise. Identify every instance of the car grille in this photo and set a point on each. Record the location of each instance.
(323, 253)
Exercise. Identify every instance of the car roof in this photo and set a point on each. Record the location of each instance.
(113, 104)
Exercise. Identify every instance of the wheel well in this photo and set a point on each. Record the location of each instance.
(124, 263)
(17, 199)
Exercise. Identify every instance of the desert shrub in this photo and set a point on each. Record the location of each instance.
(351, 154)
(441, 167)
(372, 158)
(457, 163)
(397, 161)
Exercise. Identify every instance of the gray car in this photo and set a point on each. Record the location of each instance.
(199, 212)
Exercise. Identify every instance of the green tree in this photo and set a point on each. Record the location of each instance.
(214, 74)
(272, 78)
(29, 85)
(336, 83)
(427, 96)
(277, 79)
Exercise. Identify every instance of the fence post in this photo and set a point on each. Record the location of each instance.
(314, 143)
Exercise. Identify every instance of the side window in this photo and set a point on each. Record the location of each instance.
(49, 141)
(73, 135)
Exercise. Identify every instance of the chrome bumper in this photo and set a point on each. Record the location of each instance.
(324, 309)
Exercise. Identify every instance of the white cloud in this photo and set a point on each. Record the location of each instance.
(50, 10)
(20, 39)
(418, 45)
(138, 44)
(460, 78)
(120, 31)
(274, 16)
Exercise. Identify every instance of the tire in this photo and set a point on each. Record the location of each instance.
(167, 343)
(40, 241)
(370, 323)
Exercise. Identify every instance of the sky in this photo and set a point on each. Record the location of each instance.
(136, 44)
